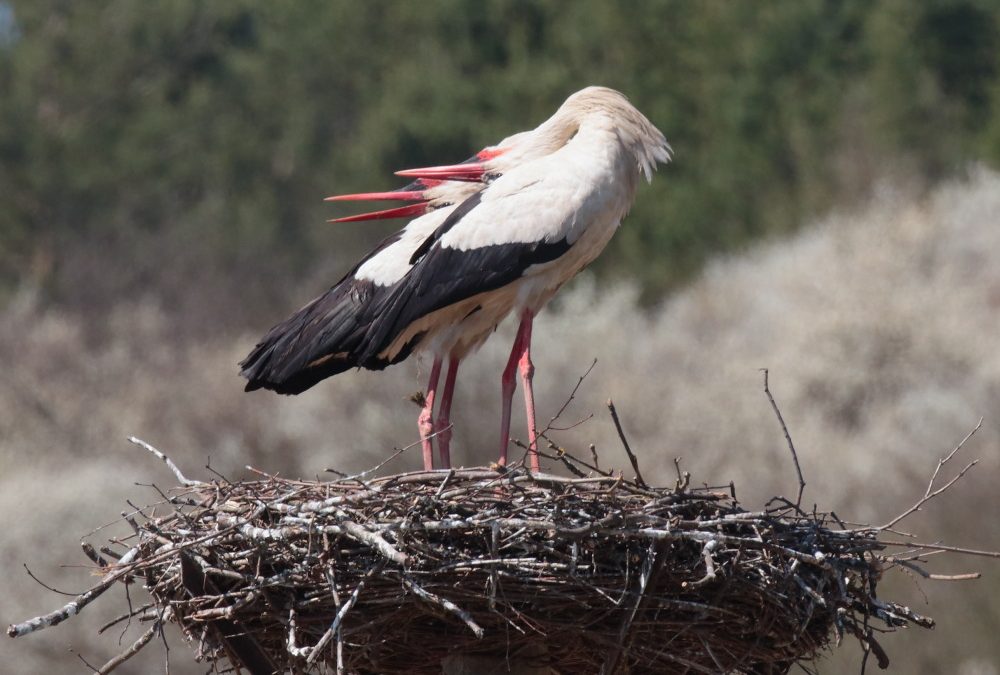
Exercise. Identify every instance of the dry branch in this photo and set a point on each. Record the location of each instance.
(930, 493)
(788, 438)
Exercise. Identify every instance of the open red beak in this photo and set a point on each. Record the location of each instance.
(400, 212)
(470, 172)
(407, 194)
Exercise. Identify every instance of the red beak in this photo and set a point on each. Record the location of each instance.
(400, 212)
(400, 195)
(470, 172)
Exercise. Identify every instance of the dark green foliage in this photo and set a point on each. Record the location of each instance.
(148, 146)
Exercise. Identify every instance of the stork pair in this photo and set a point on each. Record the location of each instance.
(496, 235)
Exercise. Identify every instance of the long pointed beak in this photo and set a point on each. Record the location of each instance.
(470, 172)
(400, 212)
(400, 195)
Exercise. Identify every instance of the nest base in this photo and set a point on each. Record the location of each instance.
(404, 573)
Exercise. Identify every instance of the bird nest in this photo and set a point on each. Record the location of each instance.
(588, 573)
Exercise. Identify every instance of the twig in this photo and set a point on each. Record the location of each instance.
(331, 579)
(910, 565)
(297, 652)
(83, 660)
(74, 607)
(942, 547)
(388, 459)
(131, 651)
(574, 425)
(565, 458)
(111, 553)
(650, 562)
(448, 605)
(683, 477)
(91, 552)
(930, 493)
(344, 609)
(628, 449)
(373, 539)
(706, 554)
(126, 616)
(166, 460)
(788, 438)
(444, 483)
(45, 585)
(572, 395)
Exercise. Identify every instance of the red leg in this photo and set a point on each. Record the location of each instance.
(443, 426)
(527, 369)
(425, 423)
(507, 391)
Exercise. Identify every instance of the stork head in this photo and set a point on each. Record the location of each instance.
(442, 185)
(610, 108)
(589, 106)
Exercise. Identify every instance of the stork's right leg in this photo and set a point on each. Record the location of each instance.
(425, 423)
(443, 426)
(527, 373)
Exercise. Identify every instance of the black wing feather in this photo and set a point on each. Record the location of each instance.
(444, 276)
(321, 339)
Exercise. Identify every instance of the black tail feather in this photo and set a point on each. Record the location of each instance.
(322, 339)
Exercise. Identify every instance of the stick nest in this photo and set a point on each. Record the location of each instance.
(586, 574)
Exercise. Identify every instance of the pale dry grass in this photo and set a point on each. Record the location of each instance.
(880, 326)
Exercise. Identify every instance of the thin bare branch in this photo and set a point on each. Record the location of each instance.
(72, 608)
(788, 439)
(166, 460)
(942, 548)
(930, 493)
(344, 609)
(446, 604)
(131, 651)
(628, 449)
(569, 399)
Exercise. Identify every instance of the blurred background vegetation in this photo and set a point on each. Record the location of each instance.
(830, 214)
(146, 146)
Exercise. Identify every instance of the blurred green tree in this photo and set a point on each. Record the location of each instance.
(159, 146)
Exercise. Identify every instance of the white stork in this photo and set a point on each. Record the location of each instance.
(544, 205)
(299, 352)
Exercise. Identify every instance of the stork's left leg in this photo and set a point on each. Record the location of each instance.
(507, 392)
(425, 423)
(527, 369)
(443, 426)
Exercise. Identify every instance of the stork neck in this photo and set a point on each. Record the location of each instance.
(612, 161)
